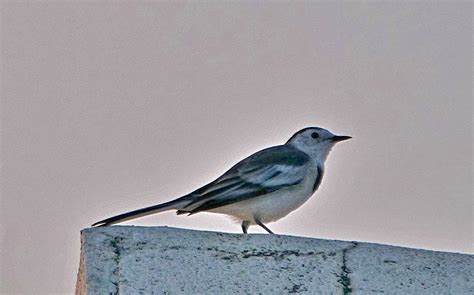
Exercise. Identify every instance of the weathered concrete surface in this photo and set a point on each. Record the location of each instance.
(161, 260)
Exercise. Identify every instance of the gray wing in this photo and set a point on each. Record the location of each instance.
(263, 172)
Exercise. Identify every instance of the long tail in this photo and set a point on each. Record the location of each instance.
(175, 204)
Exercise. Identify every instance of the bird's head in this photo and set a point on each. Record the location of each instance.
(315, 141)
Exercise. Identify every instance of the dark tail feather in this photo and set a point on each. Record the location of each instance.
(140, 213)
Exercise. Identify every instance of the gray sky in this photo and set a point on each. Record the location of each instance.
(111, 107)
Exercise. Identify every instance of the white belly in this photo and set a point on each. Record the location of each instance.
(270, 207)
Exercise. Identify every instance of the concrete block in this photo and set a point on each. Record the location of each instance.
(162, 260)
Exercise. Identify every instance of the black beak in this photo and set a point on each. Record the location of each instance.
(340, 138)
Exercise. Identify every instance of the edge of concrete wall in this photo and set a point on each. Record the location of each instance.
(157, 260)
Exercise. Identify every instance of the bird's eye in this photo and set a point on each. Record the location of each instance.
(314, 135)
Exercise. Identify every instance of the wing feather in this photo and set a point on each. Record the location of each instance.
(264, 172)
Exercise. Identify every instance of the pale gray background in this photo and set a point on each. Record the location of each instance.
(114, 106)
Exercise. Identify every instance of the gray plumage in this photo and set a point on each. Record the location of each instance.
(261, 188)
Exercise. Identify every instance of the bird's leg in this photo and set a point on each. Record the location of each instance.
(264, 227)
(245, 226)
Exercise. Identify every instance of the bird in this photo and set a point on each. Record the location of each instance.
(262, 188)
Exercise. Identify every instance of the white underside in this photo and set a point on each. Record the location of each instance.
(270, 207)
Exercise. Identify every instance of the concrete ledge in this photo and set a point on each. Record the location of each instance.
(162, 260)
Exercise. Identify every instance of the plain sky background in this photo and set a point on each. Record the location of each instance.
(109, 107)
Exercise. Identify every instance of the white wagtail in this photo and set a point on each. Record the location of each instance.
(261, 188)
